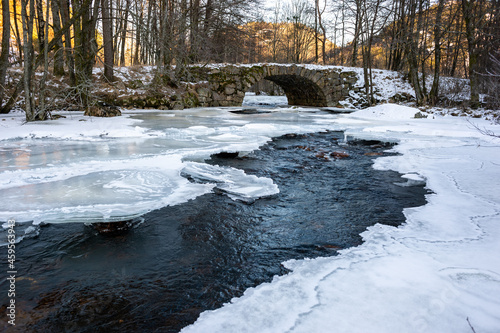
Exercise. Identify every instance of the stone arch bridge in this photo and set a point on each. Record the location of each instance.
(225, 85)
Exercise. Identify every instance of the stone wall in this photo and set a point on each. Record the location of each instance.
(303, 85)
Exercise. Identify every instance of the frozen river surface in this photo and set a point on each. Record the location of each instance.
(106, 172)
(207, 230)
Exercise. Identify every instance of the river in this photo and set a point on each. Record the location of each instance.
(206, 223)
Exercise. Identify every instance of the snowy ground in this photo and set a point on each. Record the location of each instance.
(439, 272)
(251, 99)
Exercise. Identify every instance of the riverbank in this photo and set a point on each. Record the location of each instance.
(438, 272)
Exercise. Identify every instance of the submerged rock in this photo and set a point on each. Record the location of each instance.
(112, 228)
(225, 154)
(339, 154)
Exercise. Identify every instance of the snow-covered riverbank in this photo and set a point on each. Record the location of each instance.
(439, 272)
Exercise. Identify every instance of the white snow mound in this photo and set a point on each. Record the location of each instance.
(387, 112)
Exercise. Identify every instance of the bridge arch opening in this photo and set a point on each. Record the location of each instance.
(299, 90)
(266, 87)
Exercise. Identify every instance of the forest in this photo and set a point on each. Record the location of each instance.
(68, 38)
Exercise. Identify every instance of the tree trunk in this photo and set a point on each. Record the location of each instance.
(468, 12)
(322, 27)
(118, 27)
(357, 32)
(422, 26)
(124, 34)
(42, 112)
(195, 30)
(58, 49)
(85, 50)
(343, 35)
(138, 33)
(437, 53)
(316, 46)
(107, 35)
(70, 60)
(146, 53)
(28, 54)
(208, 15)
(16, 28)
(41, 24)
(181, 53)
(4, 55)
(399, 35)
(457, 47)
(411, 50)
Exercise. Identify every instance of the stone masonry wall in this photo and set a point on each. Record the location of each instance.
(315, 86)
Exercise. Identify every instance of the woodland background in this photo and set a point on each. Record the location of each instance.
(423, 39)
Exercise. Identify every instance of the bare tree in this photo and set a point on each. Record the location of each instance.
(4, 55)
(472, 17)
(437, 52)
(42, 111)
(357, 30)
(28, 56)
(482, 20)
(319, 14)
(492, 82)
(58, 49)
(123, 32)
(300, 15)
(85, 47)
(107, 27)
(68, 51)
(16, 30)
(40, 20)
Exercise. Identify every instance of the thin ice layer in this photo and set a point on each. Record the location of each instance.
(234, 182)
(97, 191)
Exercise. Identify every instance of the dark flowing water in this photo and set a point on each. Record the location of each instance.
(185, 259)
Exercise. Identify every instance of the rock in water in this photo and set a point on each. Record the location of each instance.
(339, 154)
(112, 228)
(225, 154)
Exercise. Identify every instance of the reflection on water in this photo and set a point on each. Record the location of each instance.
(22, 159)
(195, 256)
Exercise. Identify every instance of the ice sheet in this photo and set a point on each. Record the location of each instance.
(234, 182)
(95, 191)
(83, 169)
